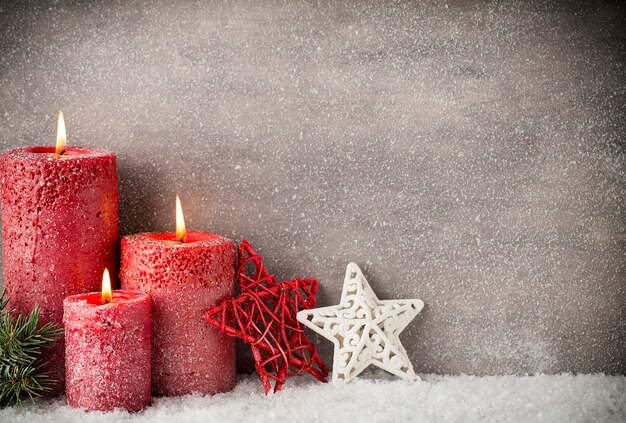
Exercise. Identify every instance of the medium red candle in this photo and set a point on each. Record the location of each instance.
(59, 228)
(107, 344)
(185, 274)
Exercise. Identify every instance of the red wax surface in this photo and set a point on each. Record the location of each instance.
(59, 230)
(184, 280)
(107, 351)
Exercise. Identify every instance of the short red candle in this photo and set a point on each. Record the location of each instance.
(107, 351)
(59, 230)
(184, 279)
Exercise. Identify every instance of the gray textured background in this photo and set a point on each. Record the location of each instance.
(469, 154)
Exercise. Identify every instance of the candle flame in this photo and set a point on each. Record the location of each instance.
(107, 295)
(181, 231)
(61, 136)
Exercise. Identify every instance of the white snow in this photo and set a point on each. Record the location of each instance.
(377, 398)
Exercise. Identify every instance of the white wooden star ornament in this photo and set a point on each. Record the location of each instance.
(364, 329)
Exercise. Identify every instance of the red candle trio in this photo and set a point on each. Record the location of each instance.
(59, 231)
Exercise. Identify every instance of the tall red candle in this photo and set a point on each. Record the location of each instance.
(59, 229)
(184, 280)
(108, 351)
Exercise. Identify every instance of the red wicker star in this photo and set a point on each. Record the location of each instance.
(264, 316)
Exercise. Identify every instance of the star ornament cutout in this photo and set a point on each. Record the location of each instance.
(264, 316)
(364, 329)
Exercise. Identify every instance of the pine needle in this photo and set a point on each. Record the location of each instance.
(22, 374)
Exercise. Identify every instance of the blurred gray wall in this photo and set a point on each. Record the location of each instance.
(467, 153)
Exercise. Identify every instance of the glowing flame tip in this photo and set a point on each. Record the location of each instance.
(107, 295)
(181, 231)
(61, 136)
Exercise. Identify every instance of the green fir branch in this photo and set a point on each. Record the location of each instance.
(22, 374)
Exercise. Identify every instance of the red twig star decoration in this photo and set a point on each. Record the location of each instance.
(264, 316)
